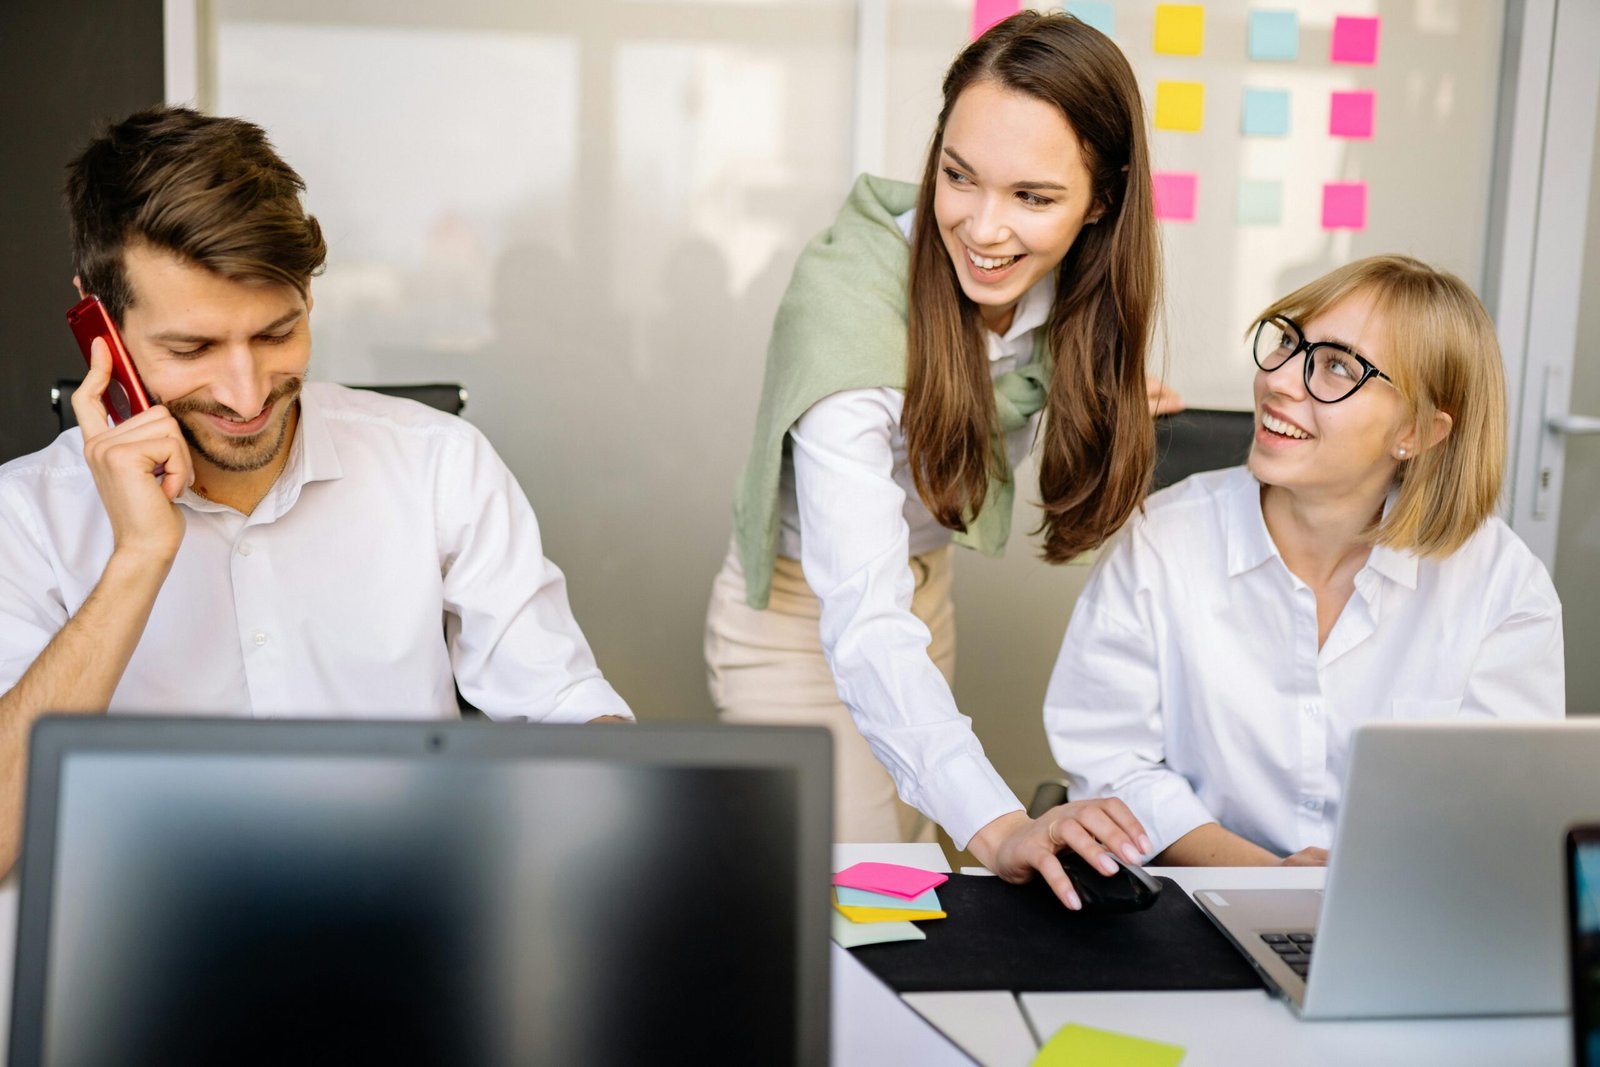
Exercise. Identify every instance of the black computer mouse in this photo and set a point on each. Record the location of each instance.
(1130, 889)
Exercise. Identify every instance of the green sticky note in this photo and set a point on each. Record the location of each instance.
(1084, 1046)
(854, 935)
(1260, 203)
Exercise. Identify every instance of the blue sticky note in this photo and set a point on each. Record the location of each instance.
(861, 898)
(1260, 203)
(1266, 113)
(1274, 35)
(1091, 12)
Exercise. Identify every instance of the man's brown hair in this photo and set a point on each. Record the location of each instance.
(210, 190)
(1098, 438)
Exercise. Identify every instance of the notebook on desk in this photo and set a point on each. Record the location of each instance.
(464, 893)
(1444, 892)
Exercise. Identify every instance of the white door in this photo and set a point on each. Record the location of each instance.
(1546, 309)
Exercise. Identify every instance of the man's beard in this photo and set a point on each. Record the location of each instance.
(238, 454)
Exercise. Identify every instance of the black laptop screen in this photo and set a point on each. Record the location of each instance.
(344, 909)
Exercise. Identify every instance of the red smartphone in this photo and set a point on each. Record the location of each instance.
(125, 395)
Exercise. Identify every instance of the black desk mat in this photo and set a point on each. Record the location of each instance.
(1020, 938)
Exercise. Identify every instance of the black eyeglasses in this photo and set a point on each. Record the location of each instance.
(1332, 370)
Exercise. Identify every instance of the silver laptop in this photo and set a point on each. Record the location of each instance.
(1444, 893)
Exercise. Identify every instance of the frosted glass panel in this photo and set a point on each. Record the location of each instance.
(584, 213)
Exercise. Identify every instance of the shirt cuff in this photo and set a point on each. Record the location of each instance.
(588, 700)
(964, 795)
(1170, 813)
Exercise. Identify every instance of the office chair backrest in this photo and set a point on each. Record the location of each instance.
(442, 396)
(1200, 440)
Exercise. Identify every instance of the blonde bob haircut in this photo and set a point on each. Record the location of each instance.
(1440, 349)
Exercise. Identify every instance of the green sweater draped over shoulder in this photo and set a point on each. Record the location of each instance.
(842, 325)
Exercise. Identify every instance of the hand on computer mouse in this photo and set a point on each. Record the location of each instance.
(1129, 889)
(1016, 847)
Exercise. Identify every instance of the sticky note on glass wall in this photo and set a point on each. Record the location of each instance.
(1344, 206)
(986, 13)
(1180, 29)
(1355, 40)
(1175, 195)
(1260, 203)
(1092, 13)
(1180, 106)
(1350, 114)
(1266, 113)
(1274, 35)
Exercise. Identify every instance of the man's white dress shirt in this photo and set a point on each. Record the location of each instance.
(393, 558)
(849, 512)
(1190, 683)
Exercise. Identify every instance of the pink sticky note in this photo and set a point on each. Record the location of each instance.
(1350, 114)
(986, 13)
(1175, 194)
(1344, 206)
(906, 883)
(1355, 40)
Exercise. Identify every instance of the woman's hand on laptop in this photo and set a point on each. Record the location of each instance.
(1015, 846)
(1306, 857)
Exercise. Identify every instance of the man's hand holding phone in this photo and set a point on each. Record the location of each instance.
(140, 466)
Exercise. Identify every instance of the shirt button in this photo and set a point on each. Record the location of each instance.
(1311, 805)
(1311, 711)
(260, 638)
(245, 548)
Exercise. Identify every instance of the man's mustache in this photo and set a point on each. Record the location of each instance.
(289, 388)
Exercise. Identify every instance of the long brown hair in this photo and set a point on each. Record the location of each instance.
(1098, 445)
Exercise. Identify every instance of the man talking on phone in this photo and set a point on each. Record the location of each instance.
(255, 544)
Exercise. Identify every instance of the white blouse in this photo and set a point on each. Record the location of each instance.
(849, 512)
(1190, 683)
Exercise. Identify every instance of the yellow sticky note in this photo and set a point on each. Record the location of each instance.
(1075, 1046)
(1180, 106)
(885, 915)
(1180, 29)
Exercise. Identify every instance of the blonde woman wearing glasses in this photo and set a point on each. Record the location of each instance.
(1233, 636)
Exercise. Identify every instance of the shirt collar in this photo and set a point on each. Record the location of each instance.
(1397, 565)
(1250, 544)
(313, 457)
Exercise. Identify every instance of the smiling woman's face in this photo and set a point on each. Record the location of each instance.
(1304, 445)
(1013, 192)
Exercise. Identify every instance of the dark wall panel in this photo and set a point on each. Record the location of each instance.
(64, 68)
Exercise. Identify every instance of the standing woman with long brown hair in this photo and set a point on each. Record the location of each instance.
(928, 339)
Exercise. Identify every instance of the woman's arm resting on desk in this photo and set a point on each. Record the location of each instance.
(1212, 846)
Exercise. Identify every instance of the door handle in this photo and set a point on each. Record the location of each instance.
(1575, 425)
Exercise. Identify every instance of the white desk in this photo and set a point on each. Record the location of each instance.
(1221, 1028)
(1231, 1028)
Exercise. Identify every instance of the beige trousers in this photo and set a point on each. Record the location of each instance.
(767, 667)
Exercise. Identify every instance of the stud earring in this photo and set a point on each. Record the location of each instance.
(1400, 453)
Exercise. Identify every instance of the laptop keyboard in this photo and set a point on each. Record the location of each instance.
(1294, 949)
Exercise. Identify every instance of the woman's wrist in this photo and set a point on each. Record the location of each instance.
(985, 845)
